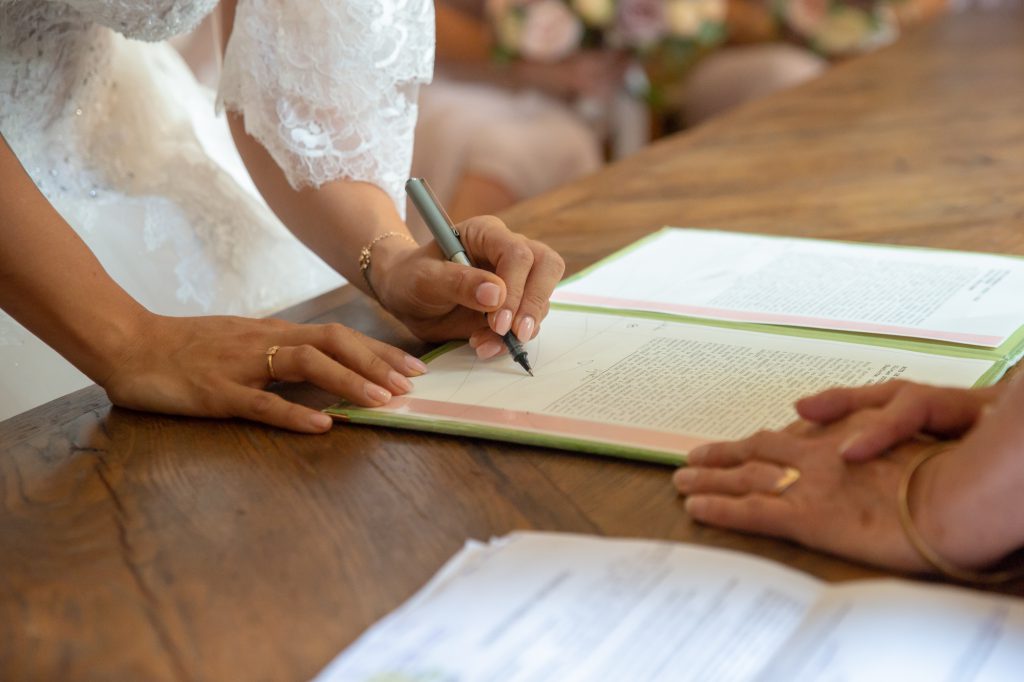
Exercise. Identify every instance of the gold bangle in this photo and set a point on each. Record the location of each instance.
(366, 254)
(936, 560)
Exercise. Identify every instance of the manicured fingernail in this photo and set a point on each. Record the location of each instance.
(488, 294)
(526, 327)
(415, 364)
(696, 506)
(848, 444)
(320, 421)
(697, 455)
(489, 349)
(683, 478)
(400, 381)
(503, 322)
(376, 393)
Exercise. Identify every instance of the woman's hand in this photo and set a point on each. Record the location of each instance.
(962, 501)
(439, 300)
(897, 411)
(835, 506)
(217, 367)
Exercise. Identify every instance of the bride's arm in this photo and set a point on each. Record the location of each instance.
(205, 366)
(437, 300)
(52, 283)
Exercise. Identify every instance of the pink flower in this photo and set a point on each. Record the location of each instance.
(642, 22)
(806, 16)
(550, 31)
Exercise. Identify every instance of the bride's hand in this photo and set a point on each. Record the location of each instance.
(439, 300)
(217, 367)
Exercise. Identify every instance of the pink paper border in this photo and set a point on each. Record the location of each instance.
(629, 436)
(774, 318)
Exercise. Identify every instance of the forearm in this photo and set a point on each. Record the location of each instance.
(53, 284)
(335, 220)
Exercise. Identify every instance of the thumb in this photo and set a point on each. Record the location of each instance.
(445, 285)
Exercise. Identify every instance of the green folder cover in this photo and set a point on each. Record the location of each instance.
(999, 361)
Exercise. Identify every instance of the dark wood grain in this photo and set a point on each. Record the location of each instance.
(135, 546)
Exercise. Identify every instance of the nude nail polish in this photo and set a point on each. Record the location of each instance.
(377, 394)
(400, 381)
(503, 322)
(525, 328)
(489, 349)
(415, 364)
(488, 294)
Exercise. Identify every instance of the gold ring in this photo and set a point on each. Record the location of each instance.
(270, 361)
(786, 480)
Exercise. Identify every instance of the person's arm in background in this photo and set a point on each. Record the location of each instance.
(204, 366)
(437, 300)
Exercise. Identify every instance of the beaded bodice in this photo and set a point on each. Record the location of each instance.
(55, 80)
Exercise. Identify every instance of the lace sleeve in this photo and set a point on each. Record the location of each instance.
(144, 19)
(329, 87)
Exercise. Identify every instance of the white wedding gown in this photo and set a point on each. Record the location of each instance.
(115, 131)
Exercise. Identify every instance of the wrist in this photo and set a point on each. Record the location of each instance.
(383, 256)
(118, 341)
(951, 505)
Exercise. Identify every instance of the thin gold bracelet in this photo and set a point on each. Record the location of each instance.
(936, 560)
(366, 256)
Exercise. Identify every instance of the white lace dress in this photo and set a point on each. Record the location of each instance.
(120, 138)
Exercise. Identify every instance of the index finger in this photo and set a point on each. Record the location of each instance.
(836, 403)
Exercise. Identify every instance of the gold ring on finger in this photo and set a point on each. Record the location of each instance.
(786, 480)
(271, 352)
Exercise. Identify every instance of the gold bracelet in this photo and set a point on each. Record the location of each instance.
(365, 256)
(936, 560)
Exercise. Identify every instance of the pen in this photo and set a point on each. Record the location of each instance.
(447, 237)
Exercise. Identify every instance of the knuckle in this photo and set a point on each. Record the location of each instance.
(335, 333)
(746, 478)
(490, 222)
(544, 254)
(463, 279)
(262, 404)
(762, 439)
(534, 301)
(305, 355)
(900, 385)
(375, 364)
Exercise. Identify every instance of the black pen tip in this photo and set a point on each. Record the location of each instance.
(524, 363)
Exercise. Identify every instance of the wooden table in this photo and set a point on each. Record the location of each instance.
(139, 547)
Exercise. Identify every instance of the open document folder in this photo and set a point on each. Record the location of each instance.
(547, 606)
(646, 382)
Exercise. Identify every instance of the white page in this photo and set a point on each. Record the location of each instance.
(876, 630)
(968, 298)
(666, 386)
(545, 606)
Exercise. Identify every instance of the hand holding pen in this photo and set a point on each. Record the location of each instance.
(439, 300)
(449, 240)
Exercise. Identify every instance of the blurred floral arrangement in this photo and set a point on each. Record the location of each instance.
(837, 28)
(666, 36)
